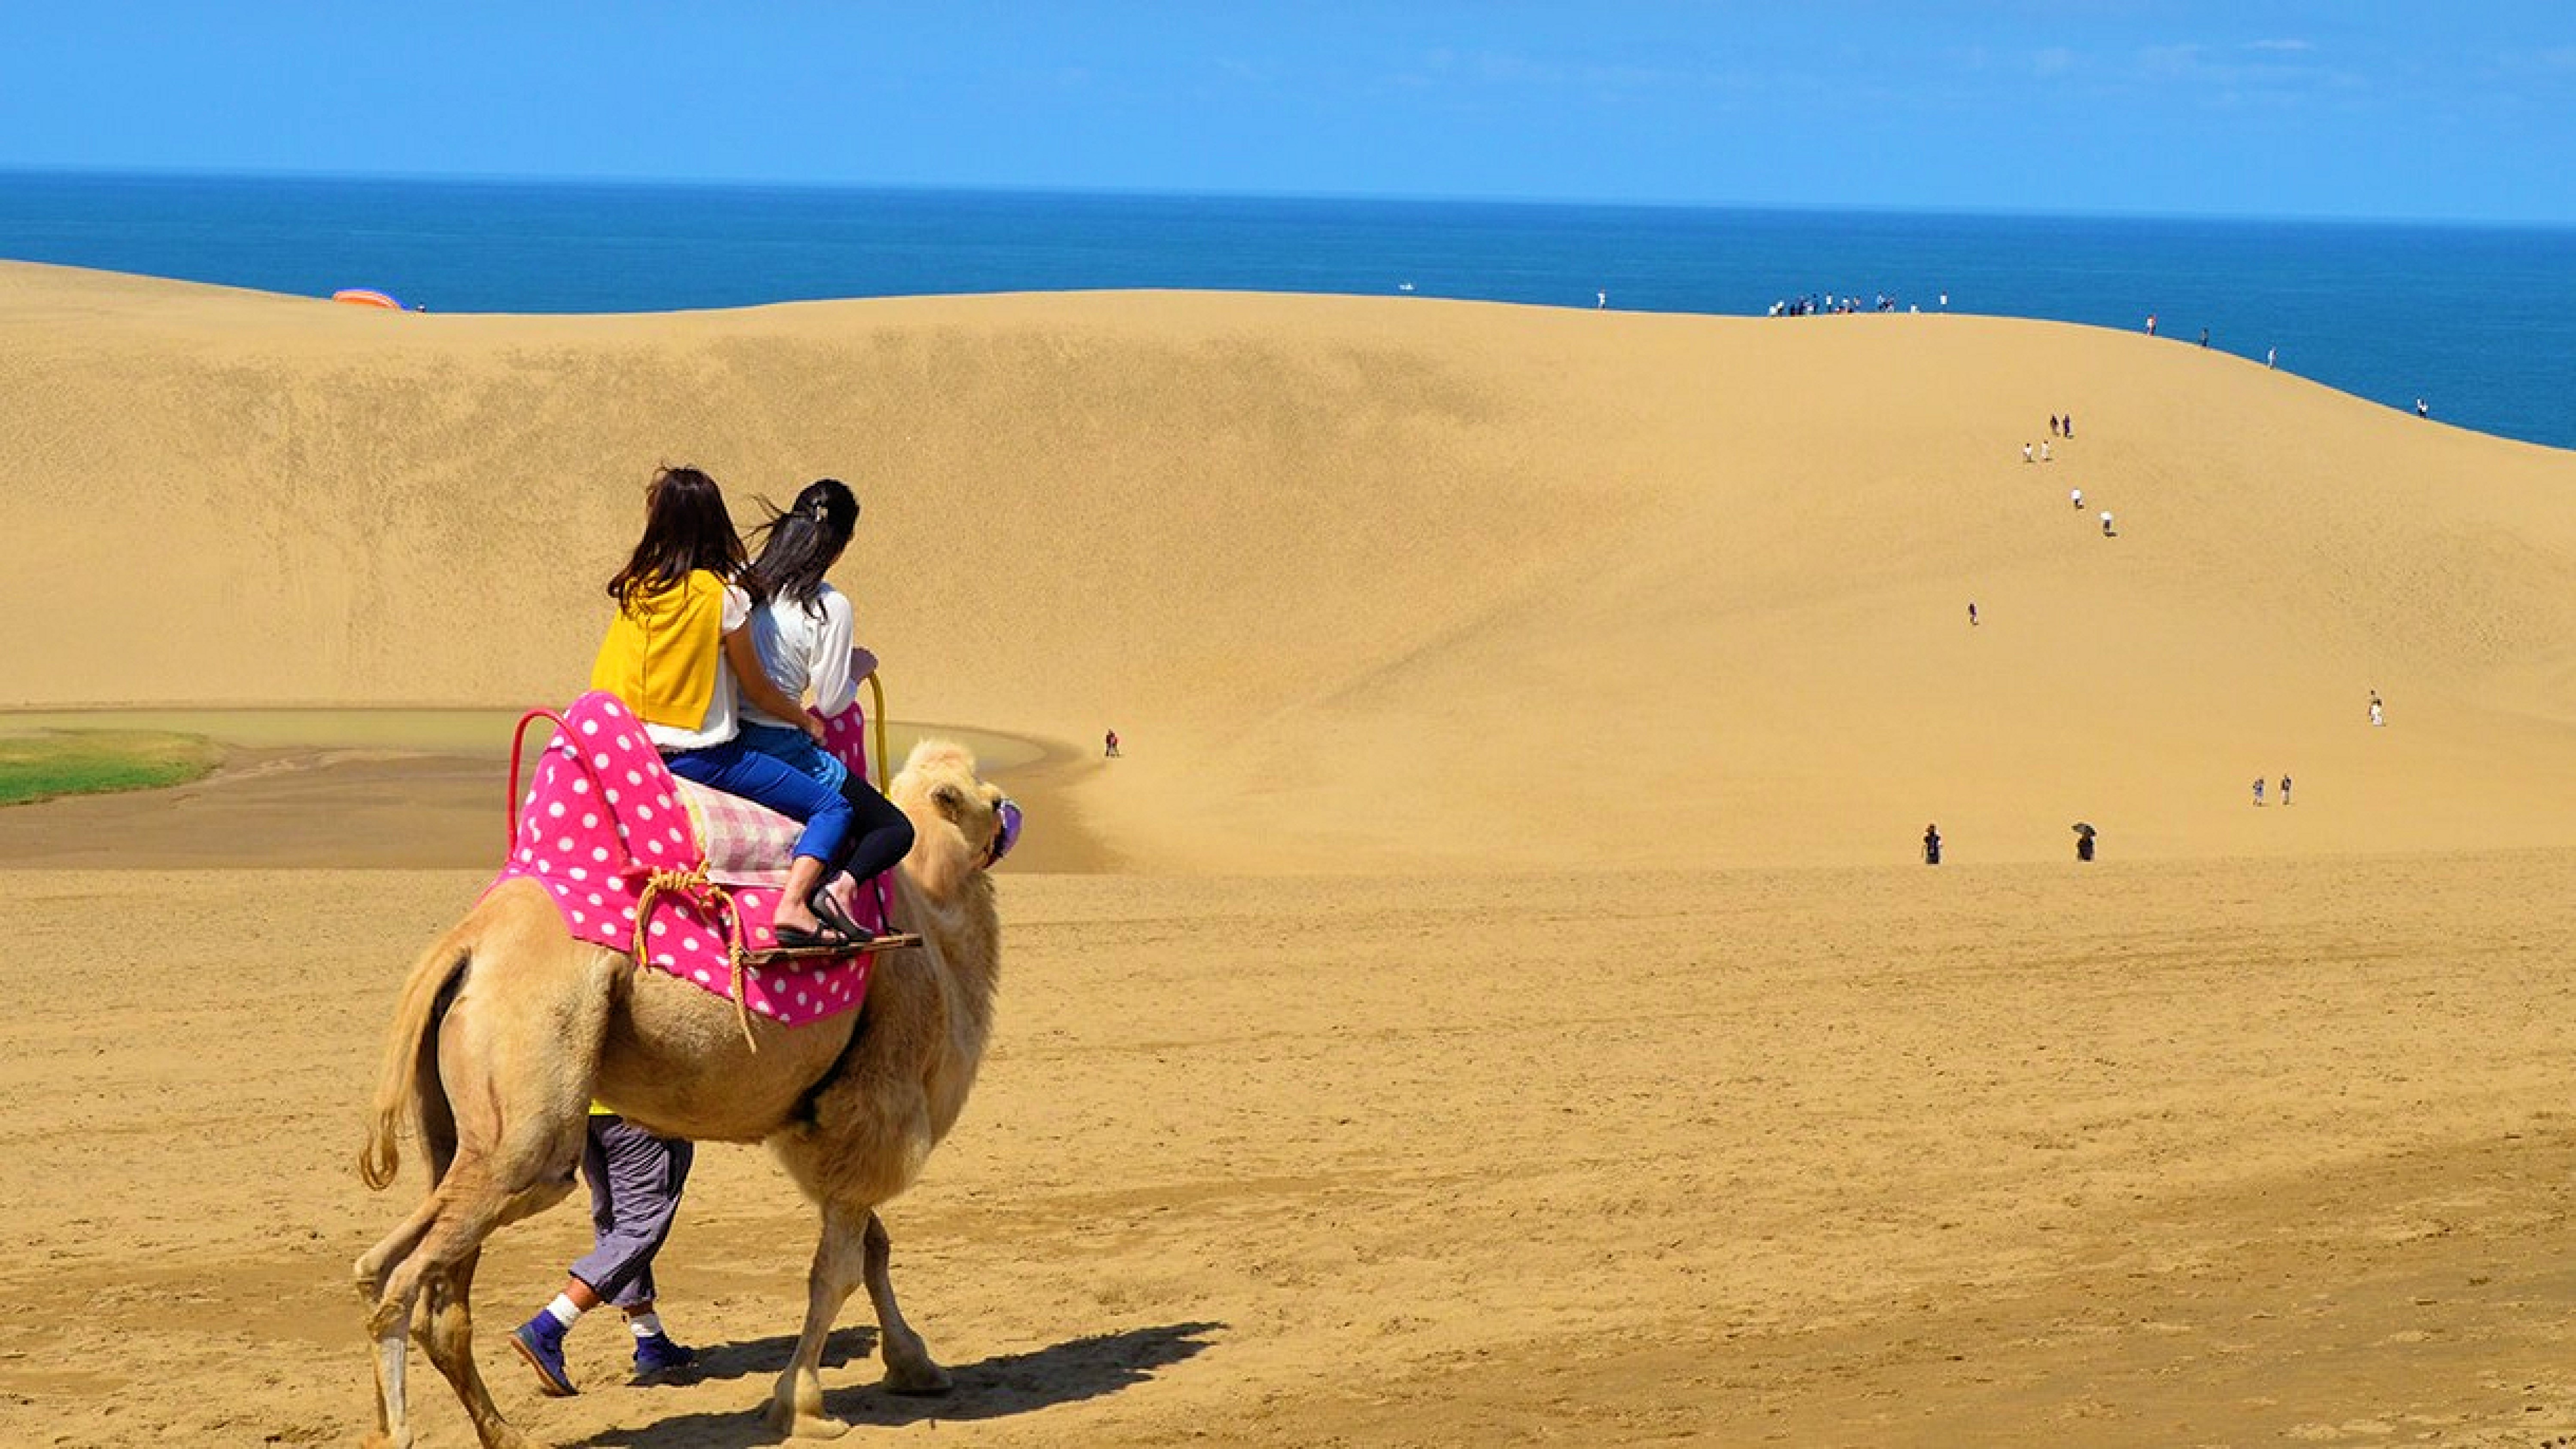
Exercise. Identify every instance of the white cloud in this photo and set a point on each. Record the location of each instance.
(2275, 72)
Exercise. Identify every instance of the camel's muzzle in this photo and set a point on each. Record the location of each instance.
(1006, 832)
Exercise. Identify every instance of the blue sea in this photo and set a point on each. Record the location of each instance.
(2478, 321)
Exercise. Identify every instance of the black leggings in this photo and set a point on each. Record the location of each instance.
(879, 838)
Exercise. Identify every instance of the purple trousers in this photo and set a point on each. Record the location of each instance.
(635, 1181)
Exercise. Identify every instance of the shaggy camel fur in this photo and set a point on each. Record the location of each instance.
(508, 1027)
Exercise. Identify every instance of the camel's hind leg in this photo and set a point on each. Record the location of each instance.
(379, 1260)
(503, 1105)
(393, 1431)
(469, 1205)
(449, 1337)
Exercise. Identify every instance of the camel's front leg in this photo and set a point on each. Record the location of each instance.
(796, 1406)
(909, 1367)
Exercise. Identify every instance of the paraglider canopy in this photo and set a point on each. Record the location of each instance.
(367, 297)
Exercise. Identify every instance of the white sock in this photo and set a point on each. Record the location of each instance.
(563, 1310)
(645, 1325)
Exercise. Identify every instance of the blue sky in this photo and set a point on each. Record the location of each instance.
(2361, 109)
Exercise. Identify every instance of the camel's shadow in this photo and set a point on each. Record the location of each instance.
(1082, 1368)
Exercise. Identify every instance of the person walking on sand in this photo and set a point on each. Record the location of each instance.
(2106, 524)
(2258, 790)
(2378, 715)
(2043, 451)
(2285, 789)
(1931, 845)
(1111, 750)
(1972, 613)
(2151, 324)
(635, 1181)
(2052, 425)
(2204, 337)
(2069, 424)
(2271, 356)
(2077, 496)
(2026, 453)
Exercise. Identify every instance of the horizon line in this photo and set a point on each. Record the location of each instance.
(1662, 204)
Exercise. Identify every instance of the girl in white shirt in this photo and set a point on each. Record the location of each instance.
(803, 635)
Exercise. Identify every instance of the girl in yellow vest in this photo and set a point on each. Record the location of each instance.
(680, 654)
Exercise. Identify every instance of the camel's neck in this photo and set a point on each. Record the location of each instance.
(966, 929)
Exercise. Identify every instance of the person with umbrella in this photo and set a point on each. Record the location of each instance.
(2083, 841)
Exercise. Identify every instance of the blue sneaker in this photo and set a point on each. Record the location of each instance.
(540, 1341)
(658, 1357)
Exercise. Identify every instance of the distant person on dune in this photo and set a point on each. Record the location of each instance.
(2151, 324)
(2077, 496)
(2378, 715)
(1972, 613)
(1110, 749)
(2421, 410)
(2107, 531)
(2043, 452)
(2285, 789)
(2069, 423)
(2052, 425)
(2026, 454)
(1931, 845)
(2258, 790)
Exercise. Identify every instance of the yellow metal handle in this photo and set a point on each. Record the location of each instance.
(876, 717)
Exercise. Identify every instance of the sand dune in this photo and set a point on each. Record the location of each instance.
(1386, 583)
(1491, 1001)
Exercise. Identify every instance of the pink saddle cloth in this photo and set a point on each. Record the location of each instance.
(603, 818)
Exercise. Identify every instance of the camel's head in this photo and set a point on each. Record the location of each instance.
(960, 823)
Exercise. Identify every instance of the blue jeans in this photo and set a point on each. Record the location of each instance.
(797, 748)
(879, 834)
(738, 769)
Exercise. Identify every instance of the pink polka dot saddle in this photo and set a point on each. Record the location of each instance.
(680, 877)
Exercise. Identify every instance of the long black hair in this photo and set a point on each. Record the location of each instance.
(802, 543)
(686, 528)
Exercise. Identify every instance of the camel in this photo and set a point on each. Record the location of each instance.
(508, 1027)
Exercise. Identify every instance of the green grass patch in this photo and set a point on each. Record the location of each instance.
(59, 762)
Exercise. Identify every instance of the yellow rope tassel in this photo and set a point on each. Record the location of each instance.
(694, 885)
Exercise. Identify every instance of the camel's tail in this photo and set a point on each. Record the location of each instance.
(411, 1057)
